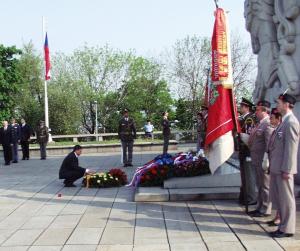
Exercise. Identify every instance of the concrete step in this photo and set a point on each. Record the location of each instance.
(152, 194)
(205, 181)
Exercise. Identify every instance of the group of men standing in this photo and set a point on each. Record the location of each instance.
(11, 135)
(268, 147)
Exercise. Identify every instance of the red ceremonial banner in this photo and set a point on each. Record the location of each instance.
(219, 47)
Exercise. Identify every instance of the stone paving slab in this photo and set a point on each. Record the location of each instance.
(34, 217)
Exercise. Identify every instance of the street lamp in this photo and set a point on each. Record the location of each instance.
(96, 122)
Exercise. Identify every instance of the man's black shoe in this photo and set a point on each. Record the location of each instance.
(27, 158)
(15, 161)
(272, 223)
(43, 158)
(280, 234)
(259, 214)
(129, 164)
(253, 212)
(7, 163)
(70, 185)
(125, 165)
(23, 158)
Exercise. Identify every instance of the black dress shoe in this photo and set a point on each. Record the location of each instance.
(15, 161)
(23, 158)
(7, 163)
(280, 234)
(129, 164)
(259, 214)
(253, 212)
(272, 223)
(70, 185)
(125, 165)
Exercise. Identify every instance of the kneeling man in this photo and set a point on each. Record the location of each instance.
(70, 170)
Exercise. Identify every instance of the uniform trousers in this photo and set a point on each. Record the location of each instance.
(248, 180)
(127, 149)
(166, 143)
(285, 202)
(264, 204)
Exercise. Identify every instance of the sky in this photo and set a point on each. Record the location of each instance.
(146, 26)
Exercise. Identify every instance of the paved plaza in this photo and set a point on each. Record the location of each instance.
(33, 217)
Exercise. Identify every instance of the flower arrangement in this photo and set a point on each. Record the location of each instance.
(101, 180)
(155, 172)
(118, 173)
(155, 176)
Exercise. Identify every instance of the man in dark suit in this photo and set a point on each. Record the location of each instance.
(70, 169)
(127, 134)
(166, 131)
(25, 137)
(15, 138)
(5, 140)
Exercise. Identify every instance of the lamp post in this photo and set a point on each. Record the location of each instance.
(96, 118)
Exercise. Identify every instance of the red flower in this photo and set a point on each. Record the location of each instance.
(153, 171)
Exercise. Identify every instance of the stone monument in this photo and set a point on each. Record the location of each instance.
(274, 26)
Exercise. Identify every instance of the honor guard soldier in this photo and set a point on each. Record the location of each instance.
(283, 151)
(247, 123)
(127, 134)
(258, 144)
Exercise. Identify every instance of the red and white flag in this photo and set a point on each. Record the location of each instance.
(222, 116)
(47, 58)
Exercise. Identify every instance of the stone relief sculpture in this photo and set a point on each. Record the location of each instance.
(274, 26)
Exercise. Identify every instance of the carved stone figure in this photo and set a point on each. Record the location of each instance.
(274, 26)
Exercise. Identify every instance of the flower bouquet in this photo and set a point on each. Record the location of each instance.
(155, 175)
(189, 168)
(100, 180)
(118, 173)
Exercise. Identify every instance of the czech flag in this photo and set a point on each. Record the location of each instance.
(47, 59)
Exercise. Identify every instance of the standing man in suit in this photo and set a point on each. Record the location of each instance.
(283, 150)
(42, 136)
(15, 138)
(247, 123)
(166, 131)
(25, 137)
(5, 140)
(127, 134)
(70, 169)
(258, 143)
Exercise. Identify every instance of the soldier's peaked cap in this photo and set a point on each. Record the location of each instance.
(264, 103)
(246, 102)
(287, 98)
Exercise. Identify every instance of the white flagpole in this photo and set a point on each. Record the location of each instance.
(45, 83)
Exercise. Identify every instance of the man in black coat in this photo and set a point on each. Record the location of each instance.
(5, 140)
(127, 134)
(15, 138)
(25, 137)
(166, 131)
(70, 169)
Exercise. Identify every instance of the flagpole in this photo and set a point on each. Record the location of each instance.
(45, 84)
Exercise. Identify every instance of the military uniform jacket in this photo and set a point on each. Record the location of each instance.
(127, 130)
(283, 146)
(247, 123)
(166, 127)
(259, 139)
(42, 134)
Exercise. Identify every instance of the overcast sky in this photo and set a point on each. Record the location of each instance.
(147, 26)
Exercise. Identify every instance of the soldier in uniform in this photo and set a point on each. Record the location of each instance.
(201, 127)
(15, 138)
(283, 150)
(166, 131)
(247, 123)
(127, 134)
(42, 136)
(258, 143)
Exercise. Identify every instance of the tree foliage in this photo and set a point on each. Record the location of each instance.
(9, 80)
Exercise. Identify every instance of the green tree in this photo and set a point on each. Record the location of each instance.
(30, 96)
(9, 80)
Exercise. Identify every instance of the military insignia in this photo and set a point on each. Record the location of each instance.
(279, 135)
(214, 94)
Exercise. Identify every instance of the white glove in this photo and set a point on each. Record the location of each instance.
(265, 163)
(244, 138)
